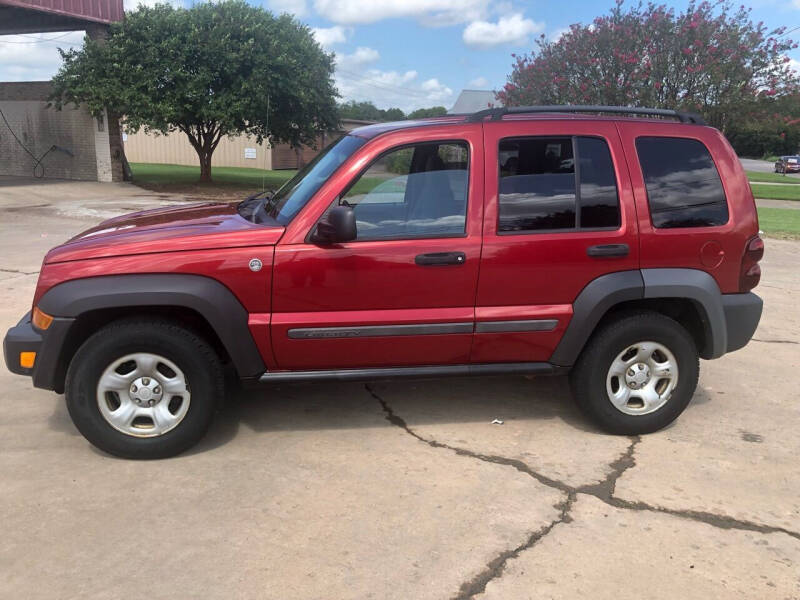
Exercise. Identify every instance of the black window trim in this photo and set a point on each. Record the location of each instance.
(647, 195)
(360, 174)
(577, 171)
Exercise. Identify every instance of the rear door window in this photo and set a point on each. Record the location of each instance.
(683, 186)
(556, 183)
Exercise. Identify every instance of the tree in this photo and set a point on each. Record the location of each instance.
(424, 113)
(367, 111)
(211, 70)
(709, 58)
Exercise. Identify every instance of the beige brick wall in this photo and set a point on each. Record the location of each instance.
(24, 105)
(175, 149)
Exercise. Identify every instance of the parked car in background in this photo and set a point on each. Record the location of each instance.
(787, 164)
(535, 241)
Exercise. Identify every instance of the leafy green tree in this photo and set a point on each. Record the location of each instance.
(367, 111)
(709, 58)
(424, 113)
(211, 70)
(393, 114)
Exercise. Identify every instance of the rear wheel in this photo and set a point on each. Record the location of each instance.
(637, 374)
(144, 389)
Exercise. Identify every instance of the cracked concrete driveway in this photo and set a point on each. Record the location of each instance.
(404, 489)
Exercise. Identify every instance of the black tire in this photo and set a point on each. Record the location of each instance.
(588, 376)
(190, 352)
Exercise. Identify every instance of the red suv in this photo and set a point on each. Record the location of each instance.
(538, 240)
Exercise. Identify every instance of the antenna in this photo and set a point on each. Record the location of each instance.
(264, 149)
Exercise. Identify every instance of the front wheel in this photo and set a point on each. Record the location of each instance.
(143, 389)
(637, 374)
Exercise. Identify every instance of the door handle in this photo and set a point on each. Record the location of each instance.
(440, 259)
(607, 250)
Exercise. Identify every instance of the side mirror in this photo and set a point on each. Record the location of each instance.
(339, 225)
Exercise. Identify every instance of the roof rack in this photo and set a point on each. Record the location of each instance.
(497, 114)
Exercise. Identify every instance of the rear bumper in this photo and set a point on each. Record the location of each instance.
(742, 314)
(47, 371)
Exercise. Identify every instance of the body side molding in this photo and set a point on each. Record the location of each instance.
(215, 302)
(516, 325)
(362, 331)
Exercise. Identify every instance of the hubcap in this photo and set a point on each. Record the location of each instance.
(641, 378)
(143, 395)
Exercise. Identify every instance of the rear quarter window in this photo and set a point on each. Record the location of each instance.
(683, 186)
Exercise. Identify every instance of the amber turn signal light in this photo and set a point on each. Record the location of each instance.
(26, 359)
(41, 320)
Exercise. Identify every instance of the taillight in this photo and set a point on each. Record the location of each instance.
(750, 274)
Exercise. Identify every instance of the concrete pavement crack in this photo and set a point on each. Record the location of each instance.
(775, 341)
(603, 490)
(494, 569)
(18, 272)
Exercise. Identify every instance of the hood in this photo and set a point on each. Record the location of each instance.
(187, 227)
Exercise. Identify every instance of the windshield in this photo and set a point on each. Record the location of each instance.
(295, 193)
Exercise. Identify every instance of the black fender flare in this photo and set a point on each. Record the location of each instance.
(702, 289)
(594, 301)
(603, 293)
(207, 296)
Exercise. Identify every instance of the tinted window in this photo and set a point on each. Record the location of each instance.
(295, 193)
(598, 198)
(411, 192)
(540, 188)
(683, 185)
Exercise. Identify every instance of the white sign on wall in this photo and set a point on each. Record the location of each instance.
(250, 153)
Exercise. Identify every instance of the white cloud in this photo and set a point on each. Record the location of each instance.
(513, 29)
(329, 36)
(432, 13)
(34, 57)
(357, 78)
(794, 64)
(298, 8)
(479, 82)
(436, 91)
(556, 35)
(362, 56)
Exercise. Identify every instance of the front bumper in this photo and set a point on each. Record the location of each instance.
(21, 338)
(48, 370)
(742, 314)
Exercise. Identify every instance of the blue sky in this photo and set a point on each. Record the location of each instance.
(404, 53)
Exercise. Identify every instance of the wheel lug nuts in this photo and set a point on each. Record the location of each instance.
(145, 380)
(156, 390)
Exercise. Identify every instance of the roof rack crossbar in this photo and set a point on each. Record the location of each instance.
(497, 114)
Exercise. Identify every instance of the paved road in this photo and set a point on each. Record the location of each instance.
(751, 164)
(405, 490)
(763, 166)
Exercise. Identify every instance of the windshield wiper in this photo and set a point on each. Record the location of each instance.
(259, 194)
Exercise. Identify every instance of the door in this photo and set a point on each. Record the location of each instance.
(403, 292)
(559, 213)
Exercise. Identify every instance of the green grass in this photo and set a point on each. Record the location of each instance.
(148, 174)
(780, 222)
(756, 177)
(776, 192)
